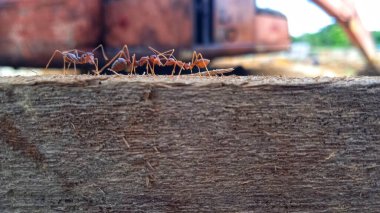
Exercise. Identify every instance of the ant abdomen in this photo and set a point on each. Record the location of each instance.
(120, 64)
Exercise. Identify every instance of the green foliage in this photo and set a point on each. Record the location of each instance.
(330, 36)
(376, 37)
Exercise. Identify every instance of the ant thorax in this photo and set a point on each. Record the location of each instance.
(155, 60)
(71, 58)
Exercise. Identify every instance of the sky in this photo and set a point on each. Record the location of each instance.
(306, 17)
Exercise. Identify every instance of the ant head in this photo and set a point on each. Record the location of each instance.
(155, 60)
(88, 58)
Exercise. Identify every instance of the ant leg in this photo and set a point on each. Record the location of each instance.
(76, 52)
(151, 67)
(101, 47)
(163, 53)
(130, 70)
(75, 67)
(154, 74)
(113, 71)
(118, 55)
(146, 68)
(200, 55)
(173, 71)
(180, 71)
(125, 47)
(132, 66)
(155, 51)
(51, 58)
(169, 53)
(96, 66)
(64, 68)
(111, 61)
(133, 69)
(193, 59)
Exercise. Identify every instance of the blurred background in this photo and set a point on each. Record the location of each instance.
(297, 38)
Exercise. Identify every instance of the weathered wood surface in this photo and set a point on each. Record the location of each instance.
(118, 144)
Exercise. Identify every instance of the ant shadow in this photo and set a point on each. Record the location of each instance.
(167, 70)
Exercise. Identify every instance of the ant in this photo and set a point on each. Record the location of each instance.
(196, 61)
(199, 62)
(122, 61)
(155, 59)
(73, 57)
(172, 61)
(152, 60)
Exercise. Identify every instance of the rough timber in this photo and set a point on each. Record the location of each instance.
(82, 143)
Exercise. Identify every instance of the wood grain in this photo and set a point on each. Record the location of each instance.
(223, 144)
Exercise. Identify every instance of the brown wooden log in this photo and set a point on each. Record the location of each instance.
(98, 144)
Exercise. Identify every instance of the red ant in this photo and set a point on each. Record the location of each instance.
(152, 60)
(122, 61)
(155, 59)
(199, 62)
(72, 57)
(196, 61)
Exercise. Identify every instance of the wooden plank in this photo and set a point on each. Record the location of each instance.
(82, 143)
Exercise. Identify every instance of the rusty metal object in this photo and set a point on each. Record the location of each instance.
(270, 32)
(239, 27)
(213, 27)
(31, 30)
(233, 21)
(256, 31)
(163, 23)
(345, 13)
